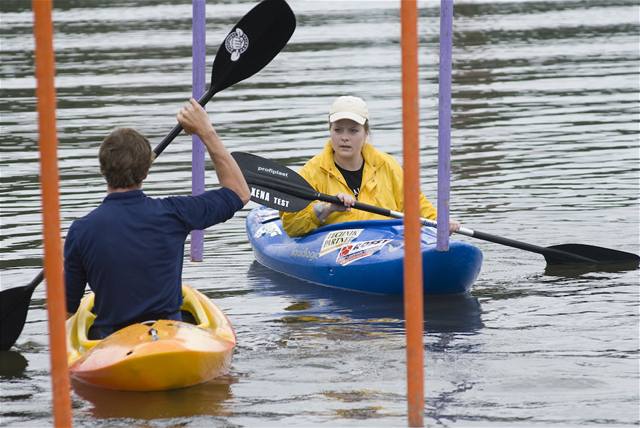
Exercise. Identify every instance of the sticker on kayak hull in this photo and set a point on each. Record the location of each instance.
(304, 253)
(395, 246)
(269, 229)
(267, 216)
(359, 250)
(337, 239)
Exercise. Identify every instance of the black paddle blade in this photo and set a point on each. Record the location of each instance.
(14, 305)
(271, 183)
(252, 43)
(248, 48)
(599, 255)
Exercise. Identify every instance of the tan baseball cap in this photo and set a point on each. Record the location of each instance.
(349, 107)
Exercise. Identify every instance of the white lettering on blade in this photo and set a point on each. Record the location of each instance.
(272, 171)
(260, 194)
(282, 202)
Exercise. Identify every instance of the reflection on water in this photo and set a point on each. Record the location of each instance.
(544, 150)
(205, 399)
(12, 364)
(316, 303)
(577, 270)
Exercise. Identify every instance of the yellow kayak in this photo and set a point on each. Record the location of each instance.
(154, 355)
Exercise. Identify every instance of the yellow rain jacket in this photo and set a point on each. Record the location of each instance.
(381, 186)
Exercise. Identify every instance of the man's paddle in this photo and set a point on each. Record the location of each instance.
(281, 188)
(248, 48)
(254, 41)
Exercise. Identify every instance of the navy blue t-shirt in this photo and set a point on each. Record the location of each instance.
(130, 251)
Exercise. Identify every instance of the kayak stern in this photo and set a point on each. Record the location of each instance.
(153, 355)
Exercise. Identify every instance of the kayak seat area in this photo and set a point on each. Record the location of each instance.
(78, 340)
(188, 317)
(193, 306)
(192, 312)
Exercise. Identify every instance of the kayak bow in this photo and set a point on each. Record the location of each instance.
(365, 256)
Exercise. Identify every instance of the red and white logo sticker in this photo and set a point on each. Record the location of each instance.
(359, 250)
(337, 239)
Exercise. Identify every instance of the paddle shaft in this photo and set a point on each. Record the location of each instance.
(312, 195)
(204, 99)
(501, 240)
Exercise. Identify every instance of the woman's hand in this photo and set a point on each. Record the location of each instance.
(324, 209)
(347, 202)
(454, 226)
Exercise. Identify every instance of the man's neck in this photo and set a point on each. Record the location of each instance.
(122, 189)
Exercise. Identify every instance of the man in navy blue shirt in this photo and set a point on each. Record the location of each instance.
(130, 249)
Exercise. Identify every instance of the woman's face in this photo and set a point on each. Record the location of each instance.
(347, 139)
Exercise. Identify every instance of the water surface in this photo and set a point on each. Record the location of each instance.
(545, 150)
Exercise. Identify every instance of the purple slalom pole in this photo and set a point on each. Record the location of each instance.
(198, 82)
(444, 124)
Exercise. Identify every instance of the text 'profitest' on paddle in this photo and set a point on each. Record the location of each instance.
(250, 45)
(281, 188)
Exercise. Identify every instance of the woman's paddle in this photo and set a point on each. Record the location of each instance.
(254, 41)
(281, 188)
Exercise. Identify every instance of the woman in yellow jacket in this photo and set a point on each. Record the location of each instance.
(351, 168)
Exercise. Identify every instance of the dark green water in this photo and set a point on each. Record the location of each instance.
(545, 150)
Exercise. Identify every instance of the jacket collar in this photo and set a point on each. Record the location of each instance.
(120, 196)
(372, 161)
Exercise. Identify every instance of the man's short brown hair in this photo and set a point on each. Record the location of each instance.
(125, 158)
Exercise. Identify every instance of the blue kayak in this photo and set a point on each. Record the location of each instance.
(365, 256)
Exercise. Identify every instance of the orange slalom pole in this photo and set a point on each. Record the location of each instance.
(413, 303)
(46, 95)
